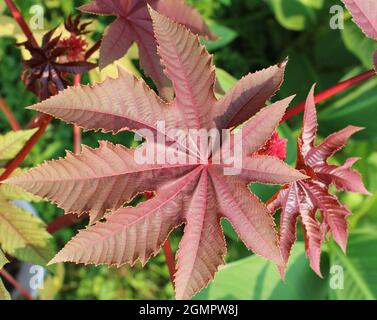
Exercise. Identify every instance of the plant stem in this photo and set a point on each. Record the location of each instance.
(76, 129)
(61, 222)
(330, 92)
(93, 49)
(169, 256)
(23, 292)
(9, 115)
(21, 21)
(11, 165)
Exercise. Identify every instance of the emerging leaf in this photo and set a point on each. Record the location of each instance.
(196, 192)
(44, 74)
(134, 24)
(302, 199)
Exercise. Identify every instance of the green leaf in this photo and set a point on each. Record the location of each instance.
(23, 235)
(12, 142)
(225, 36)
(228, 230)
(357, 43)
(225, 79)
(9, 27)
(299, 64)
(39, 255)
(4, 295)
(257, 279)
(359, 265)
(356, 107)
(296, 15)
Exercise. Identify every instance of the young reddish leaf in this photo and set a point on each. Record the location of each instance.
(364, 13)
(334, 213)
(343, 177)
(332, 144)
(302, 199)
(43, 74)
(133, 24)
(288, 220)
(309, 126)
(198, 194)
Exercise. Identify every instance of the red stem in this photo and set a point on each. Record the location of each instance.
(93, 49)
(169, 256)
(23, 292)
(76, 129)
(21, 21)
(61, 222)
(9, 115)
(328, 93)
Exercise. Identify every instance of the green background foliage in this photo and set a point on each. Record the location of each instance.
(253, 34)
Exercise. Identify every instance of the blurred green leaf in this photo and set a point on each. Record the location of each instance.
(357, 43)
(356, 107)
(300, 73)
(228, 230)
(296, 15)
(225, 79)
(225, 36)
(359, 265)
(257, 279)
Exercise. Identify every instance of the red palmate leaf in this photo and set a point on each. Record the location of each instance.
(302, 199)
(197, 192)
(133, 24)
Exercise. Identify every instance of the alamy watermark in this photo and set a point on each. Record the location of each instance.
(337, 19)
(336, 277)
(193, 146)
(37, 21)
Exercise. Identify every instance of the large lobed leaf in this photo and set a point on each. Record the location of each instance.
(197, 195)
